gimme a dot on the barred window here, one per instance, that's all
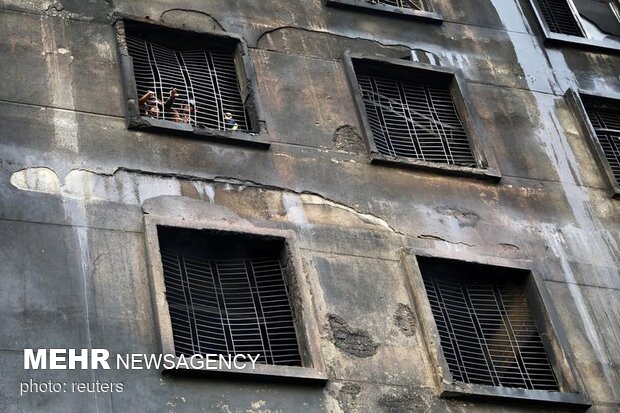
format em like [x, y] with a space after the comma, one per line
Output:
[405, 4]
[604, 116]
[414, 9]
[185, 79]
[593, 24]
[228, 294]
[414, 116]
[560, 17]
[487, 332]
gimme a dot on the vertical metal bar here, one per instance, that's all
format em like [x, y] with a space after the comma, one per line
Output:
[222, 301]
[187, 296]
[187, 82]
[484, 347]
[454, 341]
[412, 130]
[216, 90]
[258, 311]
[381, 117]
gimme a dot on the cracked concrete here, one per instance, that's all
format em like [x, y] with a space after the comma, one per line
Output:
[72, 235]
[348, 139]
[405, 320]
[189, 19]
[402, 403]
[437, 238]
[325, 45]
[135, 187]
[355, 342]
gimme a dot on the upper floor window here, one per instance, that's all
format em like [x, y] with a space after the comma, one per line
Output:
[416, 115]
[415, 9]
[561, 17]
[586, 23]
[600, 120]
[187, 81]
[198, 87]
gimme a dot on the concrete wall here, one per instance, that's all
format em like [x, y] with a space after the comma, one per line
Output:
[75, 185]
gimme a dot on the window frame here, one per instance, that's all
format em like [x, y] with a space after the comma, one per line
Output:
[312, 371]
[573, 97]
[539, 299]
[257, 135]
[431, 16]
[559, 38]
[486, 169]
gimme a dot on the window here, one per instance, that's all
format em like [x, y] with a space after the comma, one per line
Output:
[189, 82]
[230, 293]
[415, 9]
[485, 326]
[561, 17]
[491, 331]
[600, 121]
[415, 115]
[590, 24]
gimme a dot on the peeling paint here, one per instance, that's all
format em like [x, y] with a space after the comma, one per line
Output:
[37, 180]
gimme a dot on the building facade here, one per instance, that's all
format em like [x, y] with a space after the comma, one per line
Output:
[417, 200]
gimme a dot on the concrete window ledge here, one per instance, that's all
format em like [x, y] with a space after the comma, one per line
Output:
[480, 392]
[490, 175]
[262, 372]
[580, 42]
[429, 16]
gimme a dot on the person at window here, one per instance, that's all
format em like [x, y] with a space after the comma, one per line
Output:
[151, 106]
[185, 116]
[230, 122]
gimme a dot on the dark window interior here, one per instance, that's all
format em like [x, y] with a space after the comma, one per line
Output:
[201, 69]
[559, 17]
[604, 115]
[228, 294]
[412, 114]
[487, 332]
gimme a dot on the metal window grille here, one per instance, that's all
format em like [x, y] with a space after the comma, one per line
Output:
[230, 306]
[415, 120]
[204, 79]
[487, 333]
[559, 17]
[606, 123]
[405, 4]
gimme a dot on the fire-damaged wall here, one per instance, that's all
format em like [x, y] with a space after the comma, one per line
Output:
[76, 185]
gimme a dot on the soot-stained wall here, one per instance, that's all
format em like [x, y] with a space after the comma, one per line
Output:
[75, 185]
